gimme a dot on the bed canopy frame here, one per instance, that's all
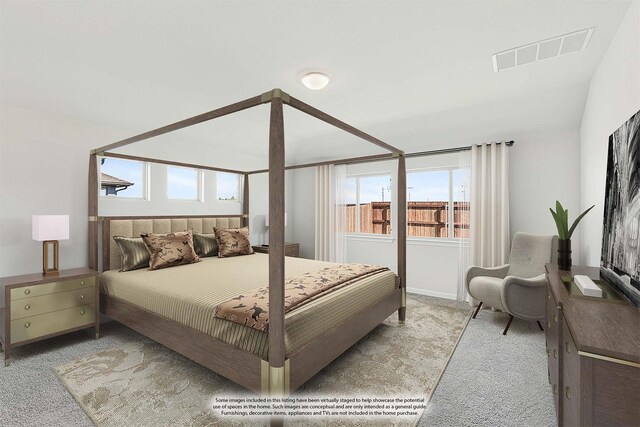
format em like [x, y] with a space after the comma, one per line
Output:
[277, 377]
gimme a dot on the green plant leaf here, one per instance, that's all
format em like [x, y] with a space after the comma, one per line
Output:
[557, 220]
[563, 216]
[575, 223]
[565, 224]
[559, 207]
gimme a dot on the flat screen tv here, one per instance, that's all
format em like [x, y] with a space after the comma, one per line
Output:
[620, 259]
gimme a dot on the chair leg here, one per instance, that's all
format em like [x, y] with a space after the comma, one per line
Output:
[508, 324]
[539, 325]
[475, 313]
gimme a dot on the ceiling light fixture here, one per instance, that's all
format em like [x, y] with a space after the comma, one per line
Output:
[315, 80]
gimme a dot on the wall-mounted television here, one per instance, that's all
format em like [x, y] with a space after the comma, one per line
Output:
[620, 258]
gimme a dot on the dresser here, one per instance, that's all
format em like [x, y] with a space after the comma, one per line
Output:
[34, 307]
[593, 353]
[290, 249]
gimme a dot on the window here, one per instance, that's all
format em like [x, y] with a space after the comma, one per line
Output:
[461, 196]
[430, 196]
[228, 186]
[182, 183]
[122, 178]
[368, 201]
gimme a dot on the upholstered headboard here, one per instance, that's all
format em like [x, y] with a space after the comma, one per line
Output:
[134, 226]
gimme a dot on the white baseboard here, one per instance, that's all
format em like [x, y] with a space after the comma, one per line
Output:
[420, 291]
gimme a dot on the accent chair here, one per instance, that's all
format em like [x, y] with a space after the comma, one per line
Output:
[516, 288]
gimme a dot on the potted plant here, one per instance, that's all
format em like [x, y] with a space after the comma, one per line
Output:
[561, 217]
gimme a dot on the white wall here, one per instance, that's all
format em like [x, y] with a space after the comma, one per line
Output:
[303, 208]
[544, 167]
[259, 207]
[614, 96]
[44, 164]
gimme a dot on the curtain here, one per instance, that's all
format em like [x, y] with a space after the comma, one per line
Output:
[462, 196]
[330, 189]
[489, 232]
[340, 210]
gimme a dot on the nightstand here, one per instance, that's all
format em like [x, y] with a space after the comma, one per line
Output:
[290, 249]
[34, 307]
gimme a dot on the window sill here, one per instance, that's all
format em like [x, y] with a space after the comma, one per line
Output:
[139, 199]
[370, 238]
[442, 242]
[411, 241]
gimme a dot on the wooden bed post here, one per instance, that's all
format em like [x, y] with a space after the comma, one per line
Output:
[245, 201]
[278, 377]
[402, 235]
[93, 212]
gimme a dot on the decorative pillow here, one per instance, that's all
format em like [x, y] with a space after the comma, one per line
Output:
[205, 245]
[168, 250]
[233, 242]
[133, 253]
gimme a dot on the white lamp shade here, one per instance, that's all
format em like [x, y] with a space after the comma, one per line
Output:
[50, 227]
[266, 220]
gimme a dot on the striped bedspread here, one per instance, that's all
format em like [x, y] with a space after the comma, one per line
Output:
[189, 294]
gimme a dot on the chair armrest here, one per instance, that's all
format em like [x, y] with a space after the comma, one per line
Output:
[530, 282]
[500, 272]
[524, 298]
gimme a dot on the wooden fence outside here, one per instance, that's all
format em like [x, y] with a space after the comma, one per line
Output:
[424, 219]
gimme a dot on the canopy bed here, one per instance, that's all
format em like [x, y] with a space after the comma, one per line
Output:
[269, 361]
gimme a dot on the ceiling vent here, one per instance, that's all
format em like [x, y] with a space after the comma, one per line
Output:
[544, 49]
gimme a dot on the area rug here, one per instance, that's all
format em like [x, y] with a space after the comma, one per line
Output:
[146, 384]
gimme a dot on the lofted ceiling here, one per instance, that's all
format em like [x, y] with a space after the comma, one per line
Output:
[417, 74]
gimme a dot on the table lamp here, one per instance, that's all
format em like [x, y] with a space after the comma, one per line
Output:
[48, 229]
[266, 225]
[266, 220]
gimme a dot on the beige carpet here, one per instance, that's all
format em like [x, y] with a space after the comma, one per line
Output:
[145, 384]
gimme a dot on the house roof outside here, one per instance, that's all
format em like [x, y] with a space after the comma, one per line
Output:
[111, 181]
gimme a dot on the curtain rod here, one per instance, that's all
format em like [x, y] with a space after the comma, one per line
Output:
[409, 155]
[450, 150]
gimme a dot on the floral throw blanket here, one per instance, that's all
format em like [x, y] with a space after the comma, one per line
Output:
[252, 308]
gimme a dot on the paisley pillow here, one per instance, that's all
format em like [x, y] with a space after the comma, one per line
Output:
[168, 250]
[233, 242]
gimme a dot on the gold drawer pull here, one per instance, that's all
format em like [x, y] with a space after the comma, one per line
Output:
[27, 307]
[82, 312]
[81, 296]
[555, 353]
[555, 389]
[82, 283]
[27, 325]
[567, 392]
[27, 291]
[567, 347]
